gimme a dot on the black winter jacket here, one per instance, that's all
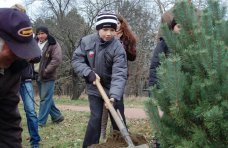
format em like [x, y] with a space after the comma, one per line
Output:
[28, 72]
[10, 118]
[155, 61]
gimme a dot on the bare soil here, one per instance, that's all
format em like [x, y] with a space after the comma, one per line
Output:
[117, 141]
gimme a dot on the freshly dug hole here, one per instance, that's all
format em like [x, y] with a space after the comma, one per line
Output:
[117, 141]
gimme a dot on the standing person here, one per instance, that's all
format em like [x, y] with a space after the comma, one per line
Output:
[102, 54]
[50, 61]
[128, 40]
[167, 18]
[27, 95]
[127, 37]
[16, 44]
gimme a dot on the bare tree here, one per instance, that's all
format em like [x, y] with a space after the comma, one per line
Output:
[67, 26]
[69, 20]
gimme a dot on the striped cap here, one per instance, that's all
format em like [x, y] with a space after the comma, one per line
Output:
[106, 19]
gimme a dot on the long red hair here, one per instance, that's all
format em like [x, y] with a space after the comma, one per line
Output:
[128, 38]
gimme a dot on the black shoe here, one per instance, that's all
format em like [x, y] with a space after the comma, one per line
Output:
[35, 146]
[41, 125]
[155, 143]
[58, 120]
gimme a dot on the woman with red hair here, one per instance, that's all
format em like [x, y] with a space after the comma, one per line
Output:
[127, 37]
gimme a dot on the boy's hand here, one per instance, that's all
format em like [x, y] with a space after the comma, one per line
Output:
[91, 77]
[97, 78]
[112, 101]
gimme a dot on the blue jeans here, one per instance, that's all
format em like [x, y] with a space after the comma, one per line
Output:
[47, 104]
[27, 95]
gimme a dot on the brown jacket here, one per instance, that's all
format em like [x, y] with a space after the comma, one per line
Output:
[50, 60]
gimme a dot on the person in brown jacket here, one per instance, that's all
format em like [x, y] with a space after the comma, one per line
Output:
[50, 61]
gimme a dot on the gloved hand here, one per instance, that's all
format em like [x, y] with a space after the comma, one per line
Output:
[35, 60]
[18, 65]
[98, 78]
[91, 77]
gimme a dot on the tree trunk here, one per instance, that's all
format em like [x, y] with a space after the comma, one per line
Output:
[78, 86]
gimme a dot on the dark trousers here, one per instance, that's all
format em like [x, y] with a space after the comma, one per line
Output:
[119, 105]
[10, 119]
[93, 130]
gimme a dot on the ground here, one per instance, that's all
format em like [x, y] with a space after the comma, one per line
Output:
[131, 113]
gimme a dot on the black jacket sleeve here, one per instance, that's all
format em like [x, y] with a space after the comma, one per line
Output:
[155, 61]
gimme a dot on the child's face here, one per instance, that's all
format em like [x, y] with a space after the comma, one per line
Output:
[118, 25]
[106, 33]
[177, 28]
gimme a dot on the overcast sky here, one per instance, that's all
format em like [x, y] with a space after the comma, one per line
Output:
[31, 9]
[9, 3]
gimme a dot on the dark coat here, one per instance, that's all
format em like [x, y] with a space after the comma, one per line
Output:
[10, 118]
[50, 60]
[28, 72]
[155, 61]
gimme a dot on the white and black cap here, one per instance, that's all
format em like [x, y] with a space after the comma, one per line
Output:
[106, 19]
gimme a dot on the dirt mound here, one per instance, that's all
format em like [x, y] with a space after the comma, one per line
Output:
[117, 141]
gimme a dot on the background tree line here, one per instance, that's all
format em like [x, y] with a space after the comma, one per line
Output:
[70, 20]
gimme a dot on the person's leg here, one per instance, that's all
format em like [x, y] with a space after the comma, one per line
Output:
[46, 94]
[27, 95]
[119, 105]
[55, 113]
[94, 125]
[39, 87]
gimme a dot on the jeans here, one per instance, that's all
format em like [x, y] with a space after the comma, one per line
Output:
[27, 95]
[47, 104]
[93, 130]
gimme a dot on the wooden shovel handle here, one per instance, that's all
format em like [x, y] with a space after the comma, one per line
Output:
[114, 114]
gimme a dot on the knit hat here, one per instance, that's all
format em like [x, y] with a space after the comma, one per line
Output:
[42, 29]
[106, 19]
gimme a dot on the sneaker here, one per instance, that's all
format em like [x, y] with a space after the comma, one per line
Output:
[41, 125]
[155, 143]
[58, 120]
[35, 146]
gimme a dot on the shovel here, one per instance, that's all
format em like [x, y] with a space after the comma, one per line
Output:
[119, 123]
